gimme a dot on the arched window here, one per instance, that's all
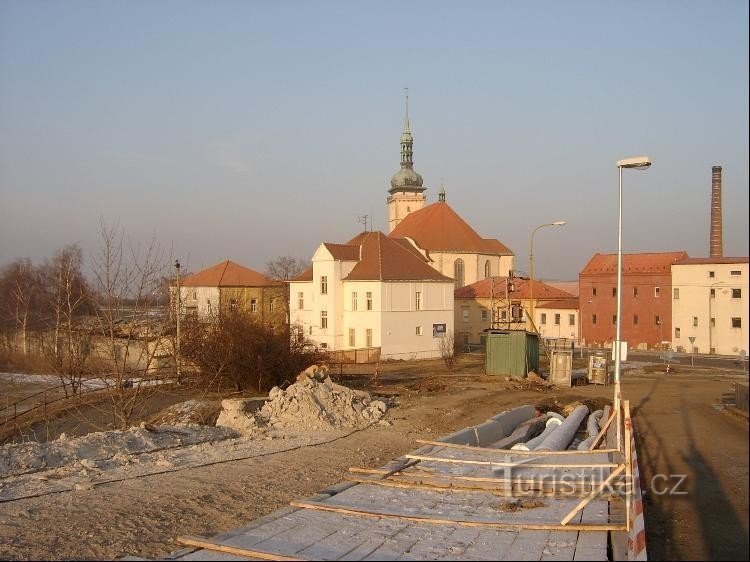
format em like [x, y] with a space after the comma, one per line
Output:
[458, 272]
[486, 269]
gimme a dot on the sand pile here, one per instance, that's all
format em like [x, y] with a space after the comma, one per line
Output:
[316, 403]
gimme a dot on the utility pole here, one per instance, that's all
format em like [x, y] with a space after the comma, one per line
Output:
[177, 317]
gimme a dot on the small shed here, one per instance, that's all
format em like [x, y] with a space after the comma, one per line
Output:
[512, 353]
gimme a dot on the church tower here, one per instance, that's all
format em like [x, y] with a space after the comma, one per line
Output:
[406, 192]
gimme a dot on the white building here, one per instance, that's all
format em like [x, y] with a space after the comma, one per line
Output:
[710, 305]
[373, 291]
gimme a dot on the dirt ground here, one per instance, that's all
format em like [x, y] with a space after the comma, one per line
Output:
[679, 430]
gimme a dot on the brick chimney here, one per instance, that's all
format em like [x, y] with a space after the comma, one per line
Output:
[717, 248]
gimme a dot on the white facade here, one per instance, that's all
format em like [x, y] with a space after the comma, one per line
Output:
[203, 301]
[401, 204]
[476, 266]
[557, 322]
[710, 304]
[397, 316]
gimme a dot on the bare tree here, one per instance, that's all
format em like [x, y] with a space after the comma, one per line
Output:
[448, 351]
[284, 268]
[132, 329]
[20, 292]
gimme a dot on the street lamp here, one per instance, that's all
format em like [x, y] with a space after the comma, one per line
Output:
[638, 163]
[531, 268]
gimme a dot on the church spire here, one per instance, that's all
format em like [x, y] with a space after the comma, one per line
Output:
[407, 141]
[406, 179]
[441, 193]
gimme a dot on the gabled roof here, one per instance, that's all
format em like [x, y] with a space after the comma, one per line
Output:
[565, 304]
[661, 262]
[708, 261]
[227, 274]
[438, 227]
[386, 259]
[484, 289]
[567, 286]
[343, 252]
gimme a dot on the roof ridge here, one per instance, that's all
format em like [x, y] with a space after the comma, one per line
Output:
[223, 271]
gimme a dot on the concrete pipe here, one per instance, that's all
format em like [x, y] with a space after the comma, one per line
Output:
[563, 435]
[522, 433]
[551, 424]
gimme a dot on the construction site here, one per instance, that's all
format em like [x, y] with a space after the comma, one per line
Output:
[420, 462]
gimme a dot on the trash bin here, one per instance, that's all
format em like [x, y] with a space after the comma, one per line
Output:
[599, 369]
[561, 367]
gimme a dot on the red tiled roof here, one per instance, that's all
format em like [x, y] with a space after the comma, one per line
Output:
[568, 304]
[227, 274]
[306, 275]
[438, 227]
[344, 252]
[386, 259]
[697, 261]
[633, 263]
[483, 290]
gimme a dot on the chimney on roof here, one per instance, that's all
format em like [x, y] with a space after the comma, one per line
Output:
[717, 249]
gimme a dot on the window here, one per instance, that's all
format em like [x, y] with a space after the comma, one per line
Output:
[369, 300]
[557, 319]
[271, 305]
[208, 304]
[352, 338]
[635, 292]
[735, 272]
[593, 318]
[593, 291]
[657, 320]
[614, 291]
[571, 319]
[695, 321]
[736, 322]
[253, 305]
[368, 337]
[736, 293]
[504, 314]
[657, 292]
[483, 312]
[458, 272]
[713, 322]
[419, 330]
[323, 284]
[635, 320]
[486, 269]
[418, 300]
[324, 345]
[354, 300]
[465, 313]
[614, 319]
[543, 318]
[712, 274]
[309, 330]
[713, 293]
[676, 333]
[324, 319]
[233, 304]
[676, 292]
[300, 300]
[466, 338]
[195, 295]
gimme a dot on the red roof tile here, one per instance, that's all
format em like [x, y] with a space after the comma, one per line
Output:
[227, 274]
[306, 275]
[343, 252]
[483, 290]
[438, 227]
[698, 261]
[568, 304]
[661, 262]
[567, 286]
[386, 259]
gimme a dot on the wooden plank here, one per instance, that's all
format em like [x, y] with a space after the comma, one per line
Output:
[628, 459]
[447, 521]
[593, 494]
[510, 451]
[602, 433]
[207, 544]
[515, 464]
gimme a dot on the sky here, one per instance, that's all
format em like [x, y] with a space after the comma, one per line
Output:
[248, 130]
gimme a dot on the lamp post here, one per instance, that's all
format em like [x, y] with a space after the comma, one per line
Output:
[531, 267]
[639, 163]
[177, 317]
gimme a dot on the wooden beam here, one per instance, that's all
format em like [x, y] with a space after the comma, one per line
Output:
[510, 451]
[207, 544]
[595, 492]
[515, 464]
[603, 432]
[628, 459]
[319, 506]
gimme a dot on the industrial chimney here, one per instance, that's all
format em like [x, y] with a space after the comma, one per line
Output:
[717, 249]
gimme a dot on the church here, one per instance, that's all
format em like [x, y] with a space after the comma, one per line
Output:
[452, 245]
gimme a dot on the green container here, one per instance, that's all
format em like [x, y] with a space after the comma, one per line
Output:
[512, 353]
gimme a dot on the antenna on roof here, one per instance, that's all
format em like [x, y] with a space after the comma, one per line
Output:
[363, 220]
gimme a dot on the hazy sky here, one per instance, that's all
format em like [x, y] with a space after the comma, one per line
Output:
[247, 130]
